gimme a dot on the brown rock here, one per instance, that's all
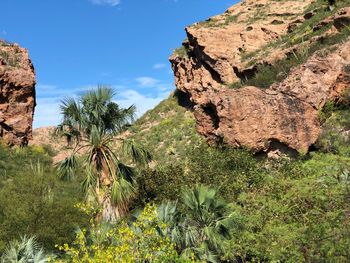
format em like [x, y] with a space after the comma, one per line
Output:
[17, 94]
[283, 117]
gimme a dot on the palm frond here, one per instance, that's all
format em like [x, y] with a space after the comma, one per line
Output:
[126, 172]
[137, 152]
[24, 251]
[168, 213]
[90, 179]
[122, 192]
[66, 168]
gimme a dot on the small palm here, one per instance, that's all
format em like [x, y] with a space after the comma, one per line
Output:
[25, 251]
[204, 225]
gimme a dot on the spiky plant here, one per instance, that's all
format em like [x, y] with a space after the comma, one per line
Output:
[206, 224]
[27, 250]
[202, 226]
[92, 122]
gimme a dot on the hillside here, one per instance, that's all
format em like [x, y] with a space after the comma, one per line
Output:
[168, 131]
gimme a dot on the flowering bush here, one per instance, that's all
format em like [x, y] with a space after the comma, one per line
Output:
[138, 242]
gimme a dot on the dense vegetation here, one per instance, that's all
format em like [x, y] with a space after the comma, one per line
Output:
[267, 210]
[34, 201]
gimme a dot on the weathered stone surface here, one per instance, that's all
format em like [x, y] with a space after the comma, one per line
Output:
[17, 94]
[283, 116]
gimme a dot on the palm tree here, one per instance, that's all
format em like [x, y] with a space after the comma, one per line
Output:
[25, 251]
[92, 122]
[203, 225]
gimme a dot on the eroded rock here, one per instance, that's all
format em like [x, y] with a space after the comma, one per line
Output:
[17, 94]
[284, 116]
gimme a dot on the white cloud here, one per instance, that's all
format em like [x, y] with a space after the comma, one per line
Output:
[159, 66]
[106, 2]
[47, 112]
[142, 102]
[147, 81]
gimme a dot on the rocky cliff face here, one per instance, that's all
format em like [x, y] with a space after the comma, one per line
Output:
[259, 74]
[17, 94]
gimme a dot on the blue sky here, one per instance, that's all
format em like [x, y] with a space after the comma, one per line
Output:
[77, 44]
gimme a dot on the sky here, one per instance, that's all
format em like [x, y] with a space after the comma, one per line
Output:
[76, 45]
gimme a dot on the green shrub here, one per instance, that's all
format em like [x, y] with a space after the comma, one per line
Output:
[33, 201]
[181, 52]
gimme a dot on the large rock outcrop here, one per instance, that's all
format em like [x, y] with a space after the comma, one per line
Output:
[229, 48]
[17, 94]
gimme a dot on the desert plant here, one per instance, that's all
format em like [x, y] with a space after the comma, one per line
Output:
[206, 224]
[27, 250]
[199, 225]
[92, 121]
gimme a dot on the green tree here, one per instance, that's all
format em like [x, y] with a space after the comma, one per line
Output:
[92, 122]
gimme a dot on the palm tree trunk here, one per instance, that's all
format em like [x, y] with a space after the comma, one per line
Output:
[110, 213]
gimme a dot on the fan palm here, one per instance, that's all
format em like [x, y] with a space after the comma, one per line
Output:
[202, 226]
[92, 122]
[25, 251]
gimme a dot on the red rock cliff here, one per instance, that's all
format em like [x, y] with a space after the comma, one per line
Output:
[17, 94]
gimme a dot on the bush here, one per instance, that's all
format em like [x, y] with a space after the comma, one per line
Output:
[139, 242]
[229, 170]
[33, 201]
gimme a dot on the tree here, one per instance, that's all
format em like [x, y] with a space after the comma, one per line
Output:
[92, 122]
[25, 251]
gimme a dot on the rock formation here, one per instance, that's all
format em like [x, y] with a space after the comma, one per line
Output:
[231, 48]
[17, 94]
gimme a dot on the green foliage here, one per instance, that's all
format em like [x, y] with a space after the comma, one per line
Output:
[291, 211]
[335, 135]
[181, 52]
[33, 201]
[221, 168]
[12, 58]
[206, 225]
